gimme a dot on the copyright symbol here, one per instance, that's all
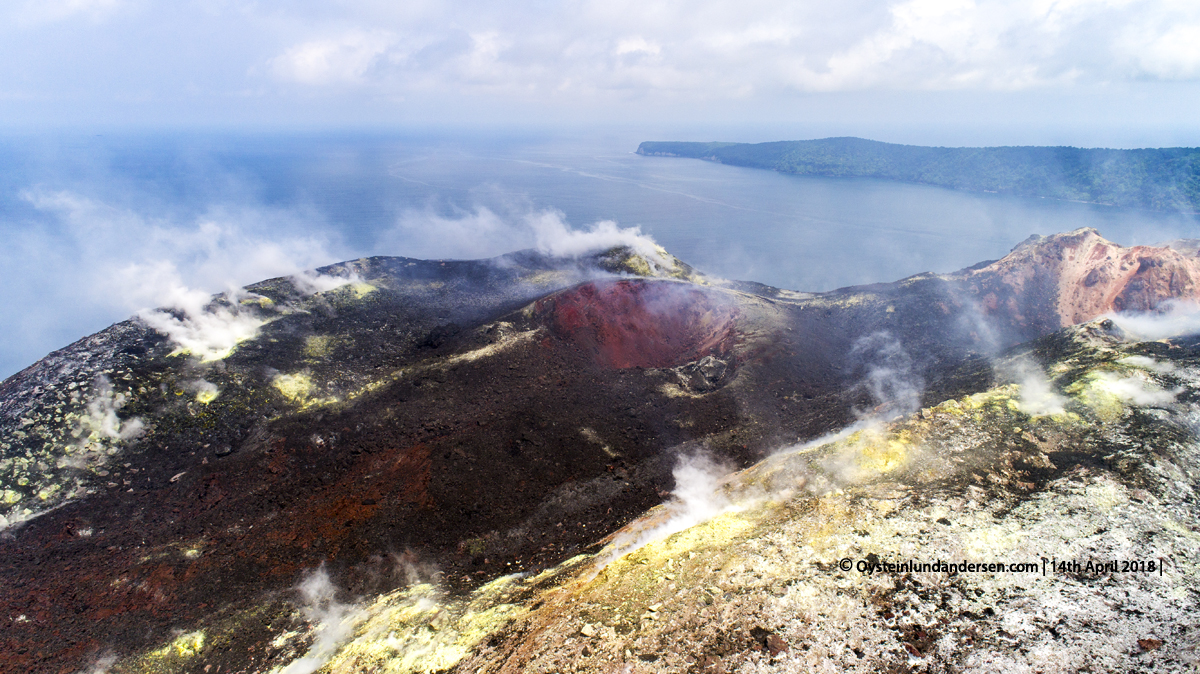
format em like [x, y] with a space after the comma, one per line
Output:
[846, 564]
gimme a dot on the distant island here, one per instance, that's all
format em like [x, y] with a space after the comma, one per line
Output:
[1166, 179]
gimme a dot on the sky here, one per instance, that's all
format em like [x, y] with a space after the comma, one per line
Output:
[1102, 64]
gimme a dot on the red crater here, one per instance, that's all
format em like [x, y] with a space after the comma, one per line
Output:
[636, 323]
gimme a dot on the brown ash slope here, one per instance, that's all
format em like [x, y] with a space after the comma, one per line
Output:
[482, 417]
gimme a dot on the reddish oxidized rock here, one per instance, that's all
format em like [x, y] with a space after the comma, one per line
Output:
[638, 323]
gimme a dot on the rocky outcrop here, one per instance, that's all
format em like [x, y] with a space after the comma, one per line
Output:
[1047, 283]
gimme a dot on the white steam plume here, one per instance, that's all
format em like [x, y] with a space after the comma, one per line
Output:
[205, 391]
[97, 432]
[1134, 389]
[483, 233]
[1038, 396]
[1173, 318]
[100, 425]
[697, 498]
[890, 377]
[975, 325]
[310, 282]
[211, 328]
[335, 622]
[205, 328]
[465, 235]
[699, 493]
[555, 237]
[102, 664]
[103, 262]
[1147, 363]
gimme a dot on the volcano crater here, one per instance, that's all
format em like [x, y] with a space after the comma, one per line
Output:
[638, 323]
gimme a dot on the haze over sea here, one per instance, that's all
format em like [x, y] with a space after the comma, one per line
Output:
[99, 226]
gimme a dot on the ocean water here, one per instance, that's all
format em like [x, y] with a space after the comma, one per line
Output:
[97, 226]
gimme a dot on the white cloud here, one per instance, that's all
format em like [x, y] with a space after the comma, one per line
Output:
[345, 59]
[709, 50]
[49, 11]
[1170, 54]
[636, 45]
[435, 55]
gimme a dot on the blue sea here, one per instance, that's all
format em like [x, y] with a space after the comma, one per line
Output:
[97, 226]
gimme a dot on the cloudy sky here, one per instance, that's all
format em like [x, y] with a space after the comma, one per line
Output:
[370, 62]
[98, 226]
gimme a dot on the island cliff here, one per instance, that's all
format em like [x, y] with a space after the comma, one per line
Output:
[1156, 178]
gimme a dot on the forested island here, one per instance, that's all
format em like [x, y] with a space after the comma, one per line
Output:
[1156, 179]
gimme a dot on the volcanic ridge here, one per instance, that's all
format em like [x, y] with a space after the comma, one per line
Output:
[616, 464]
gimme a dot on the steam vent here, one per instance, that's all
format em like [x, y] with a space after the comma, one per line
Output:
[615, 463]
